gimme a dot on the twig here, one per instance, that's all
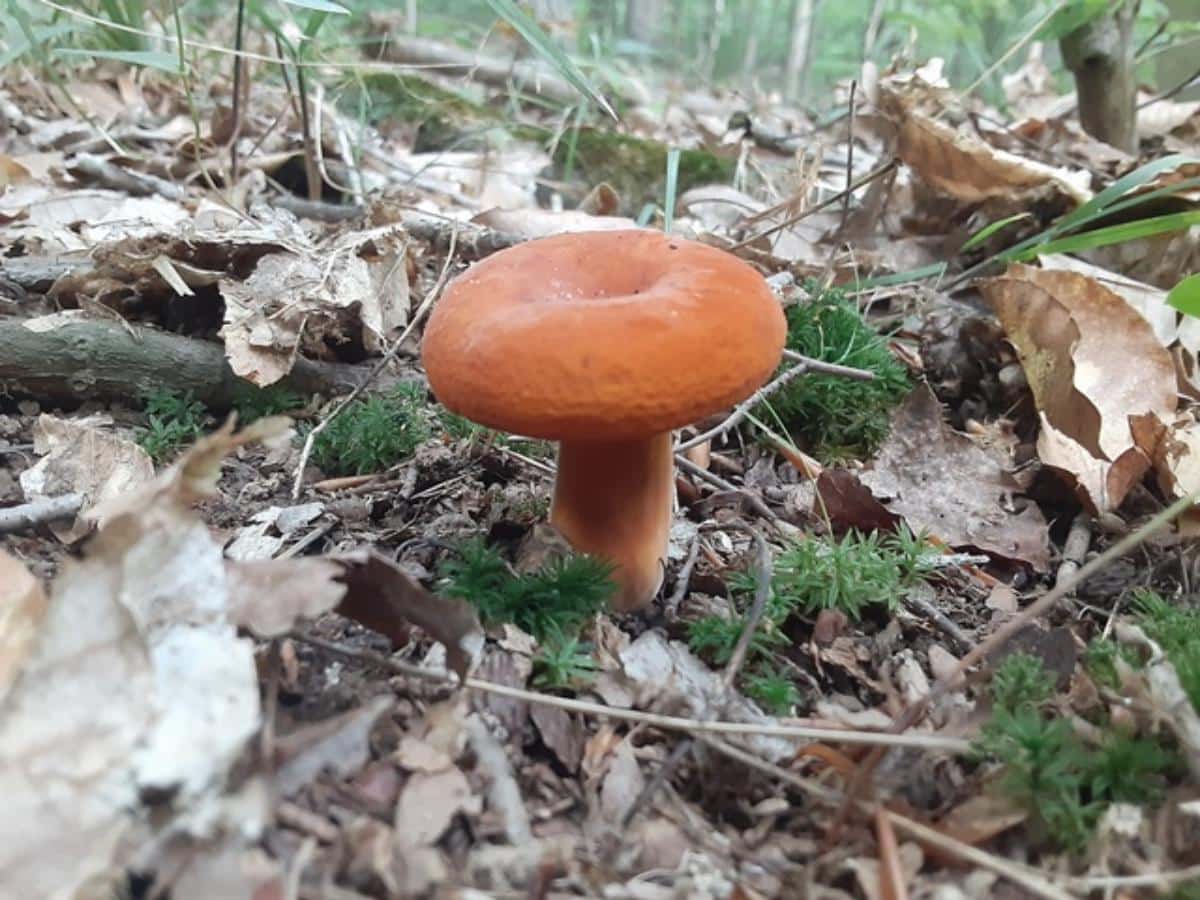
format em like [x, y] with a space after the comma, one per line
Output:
[504, 795]
[877, 172]
[753, 499]
[804, 366]
[47, 509]
[298, 482]
[669, 723]
[1028, 878]
[1151, 879]
[994, 642]
[1075, 547]
[762, 592]
[236, 113]
[671, 607]
[820, 367]
[849, 162]
[939, 618]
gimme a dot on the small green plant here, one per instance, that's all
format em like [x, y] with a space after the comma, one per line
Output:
[253, 403]
[1065, 784]
[563, 662]
[172, 420]
[1019, 683]
[374, 433]
[714, 637]
[835, 416]
[1177, 631]
[553, 601]
[813, 574]
[850, 574]
[772, 689]
[1101, 657]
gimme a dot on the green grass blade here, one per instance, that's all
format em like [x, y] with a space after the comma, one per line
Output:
[1185, 296]
[988, 230]
[1099, 205]
[325, 6]
[1115, 234]
[672, 187]
[151, 59]
[934, 270]
[541, 42]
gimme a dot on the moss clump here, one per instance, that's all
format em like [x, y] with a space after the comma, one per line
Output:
[551, 603]
[635, 167]
[810, 575]
[838, 417]
[172, 421]
[444, 118]
[374, 433]
[1064, 783]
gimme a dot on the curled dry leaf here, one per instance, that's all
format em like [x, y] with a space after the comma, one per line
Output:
[79, 457]
[942, 482]
[622, 785]
[965, 166]
[381, 596]
[153, 694]
[22, 608]
[268, 596]
[531, 223]
[358, 287]
[1101, 419]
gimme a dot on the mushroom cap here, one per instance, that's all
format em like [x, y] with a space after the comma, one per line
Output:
[606, 335]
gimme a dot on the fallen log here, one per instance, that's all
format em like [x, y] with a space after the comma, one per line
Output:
[100, 360]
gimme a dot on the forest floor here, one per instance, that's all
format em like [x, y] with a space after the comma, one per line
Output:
[928, 627]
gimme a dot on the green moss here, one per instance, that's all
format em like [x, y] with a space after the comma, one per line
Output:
[1065, 784]
[552, 603]
[172, 421]
[444, 118]
[635, 167]
[838, 417]
[374, 433]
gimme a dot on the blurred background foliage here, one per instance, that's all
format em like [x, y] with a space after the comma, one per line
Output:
[738, 44]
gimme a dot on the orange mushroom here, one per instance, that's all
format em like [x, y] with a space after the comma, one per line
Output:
[605, 341]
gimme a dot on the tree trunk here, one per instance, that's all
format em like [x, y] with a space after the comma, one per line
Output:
[1100, 56]
[714, 39]
[750, 54]
[643, 20]
[798, 58]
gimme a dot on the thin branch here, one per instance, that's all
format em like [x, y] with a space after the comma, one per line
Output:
[805, 366]
[37, 512]
[669, 723]
[999, 638]
[752, 498]
[1024, 876]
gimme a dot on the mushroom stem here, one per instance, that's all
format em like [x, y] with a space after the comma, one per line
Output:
[613, 499]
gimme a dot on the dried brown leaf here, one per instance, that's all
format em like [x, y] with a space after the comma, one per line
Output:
[80, 457]
[964, 166]
[384, 598]
[1078, 341]
[269, 596]
[339, 745]
[428, 803]
[22, 608]
[943, 482]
